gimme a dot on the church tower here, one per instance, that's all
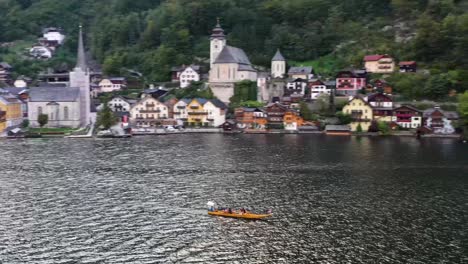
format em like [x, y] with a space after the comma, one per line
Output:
[218, 41]
[278, 65]
[80, 78]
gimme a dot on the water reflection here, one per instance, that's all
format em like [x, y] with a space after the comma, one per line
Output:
[335, 199]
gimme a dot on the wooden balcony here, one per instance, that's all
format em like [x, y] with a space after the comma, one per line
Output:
[150, 111]
[198, 113]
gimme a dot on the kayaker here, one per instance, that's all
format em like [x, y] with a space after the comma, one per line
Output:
[230, 211]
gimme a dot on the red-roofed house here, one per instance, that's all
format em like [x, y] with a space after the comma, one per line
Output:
[379, 64]
[408, 66]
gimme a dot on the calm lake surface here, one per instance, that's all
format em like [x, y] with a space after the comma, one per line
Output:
[142, 200]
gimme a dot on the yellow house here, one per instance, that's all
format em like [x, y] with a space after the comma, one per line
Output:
[197, 115]
[11, 114]
[361, 113]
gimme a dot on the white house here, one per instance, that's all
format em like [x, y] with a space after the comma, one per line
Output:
[54, 35]
[440, 121]
[216, 112]
[188, 76]
[149, 112]
[41, 52]
[108, 85]
[296, 86]
[379, 100]
[180, 109]
[317, 88]
[301, 72]
[407, 116]
[120, 104]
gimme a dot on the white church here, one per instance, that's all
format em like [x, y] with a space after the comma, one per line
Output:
[228, 65]
[65, 106]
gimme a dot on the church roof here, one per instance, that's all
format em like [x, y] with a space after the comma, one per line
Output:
[54, 94]
[218, 31]
[278, 56]
[234, 55]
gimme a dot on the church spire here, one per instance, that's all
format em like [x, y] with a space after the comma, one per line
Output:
[278, 56]
[218, 31]
[81, 57]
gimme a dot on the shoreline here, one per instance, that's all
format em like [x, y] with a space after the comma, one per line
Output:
[252, 132]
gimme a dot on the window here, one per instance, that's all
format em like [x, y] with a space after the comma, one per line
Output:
[39, 110]
[65, 113]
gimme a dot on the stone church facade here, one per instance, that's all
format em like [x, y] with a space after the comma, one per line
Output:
[65, 106]
[228, 65]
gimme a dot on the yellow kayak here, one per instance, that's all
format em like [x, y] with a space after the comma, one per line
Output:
[237, 214]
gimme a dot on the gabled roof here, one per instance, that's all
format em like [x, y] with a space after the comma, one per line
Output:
[117, 78]
[218, 103]
[182, 68]
[14, 90]
[374, 96]
[7, 98]
[407, 63]
[352, 74]
[201, 101]
[54, 94]
[5, 65]
[448, 114]
[409, 107]
[185, 100]
[359, 97]
[301, 70]
[375, 57]
[234, 55]
[252, 109]
[278, 56]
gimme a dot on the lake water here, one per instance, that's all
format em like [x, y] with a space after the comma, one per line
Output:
[142, 200]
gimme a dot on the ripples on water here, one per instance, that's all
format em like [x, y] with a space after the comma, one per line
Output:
[142, 200]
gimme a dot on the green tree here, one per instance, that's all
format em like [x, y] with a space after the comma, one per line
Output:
[306, 113]
[463, 110]
[384, 128]
[252, 104]
[106, 118]
[344, 118]
[244, 91]
[359, 128]
[437, 87]
[25, 123]
[42, 119]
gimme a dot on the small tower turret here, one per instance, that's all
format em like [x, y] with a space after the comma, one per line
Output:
[278, 65]
[218, 41]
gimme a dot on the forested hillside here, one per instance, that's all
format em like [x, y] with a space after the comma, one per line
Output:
[152, 35]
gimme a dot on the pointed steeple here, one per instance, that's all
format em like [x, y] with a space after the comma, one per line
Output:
[81, 57]
[278, 56]
[218, 31]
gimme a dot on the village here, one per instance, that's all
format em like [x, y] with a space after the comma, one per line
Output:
[285, 99]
